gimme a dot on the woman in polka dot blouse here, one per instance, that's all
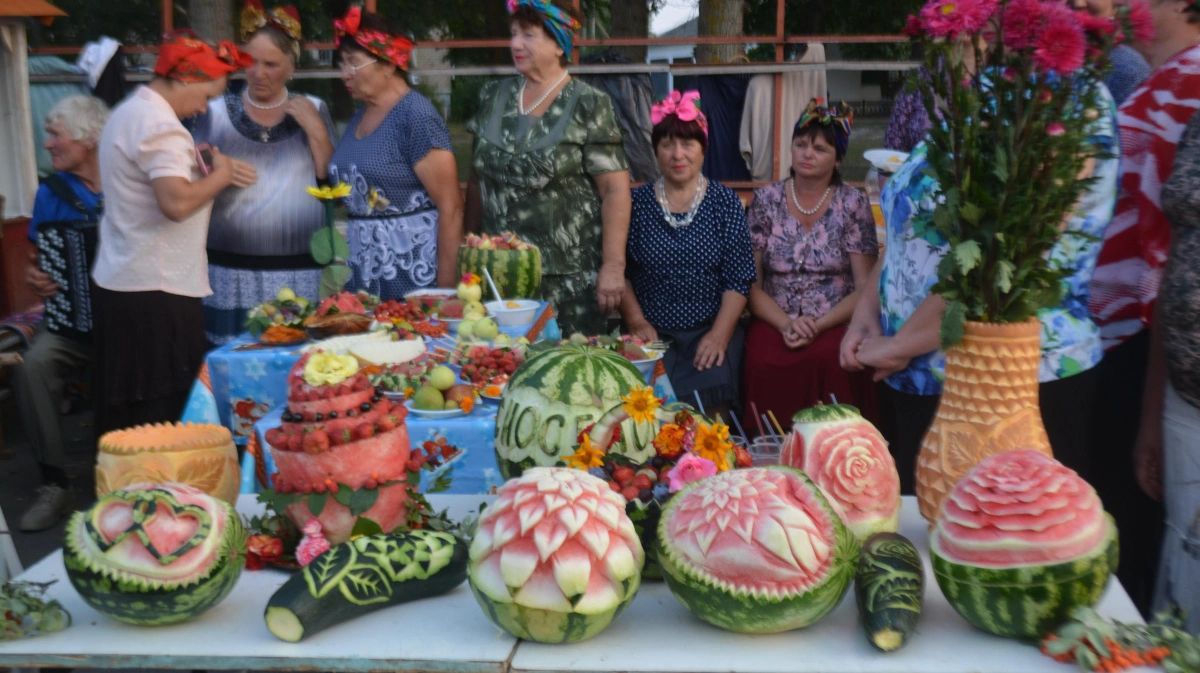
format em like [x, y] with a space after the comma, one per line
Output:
[814, 246]
[690, 265]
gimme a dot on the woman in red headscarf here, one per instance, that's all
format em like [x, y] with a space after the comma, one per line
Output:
[151, 270]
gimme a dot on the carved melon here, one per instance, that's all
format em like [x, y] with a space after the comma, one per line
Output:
[198, 454]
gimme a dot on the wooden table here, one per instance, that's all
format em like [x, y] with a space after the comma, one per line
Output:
[450, 633]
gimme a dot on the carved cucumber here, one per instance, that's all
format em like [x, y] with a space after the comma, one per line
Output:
[888, 588]
[363, 575]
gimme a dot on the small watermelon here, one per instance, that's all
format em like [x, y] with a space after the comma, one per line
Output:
[848, 458]
[517, 273]
[758, 550]
[155, 554]
[555, 558]
[1020, 543]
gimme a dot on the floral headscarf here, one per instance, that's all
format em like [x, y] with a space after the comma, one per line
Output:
[186, 58]
[285, 19]
[561, 25]
[395, 49]
[685, 106]
[840, 116]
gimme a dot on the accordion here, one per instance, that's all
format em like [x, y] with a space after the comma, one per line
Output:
[66, 251]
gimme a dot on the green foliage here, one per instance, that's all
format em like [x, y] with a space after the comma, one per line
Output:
[328, 245]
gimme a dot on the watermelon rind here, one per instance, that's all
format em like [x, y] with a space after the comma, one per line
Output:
[516, 273]
[742, 611]
[824, 413]
[552, 626]
[143, 602]
[1029, 601]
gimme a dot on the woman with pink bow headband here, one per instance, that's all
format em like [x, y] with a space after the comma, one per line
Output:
[690, 265]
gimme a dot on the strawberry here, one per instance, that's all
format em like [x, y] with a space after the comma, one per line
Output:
[315, 395]
[364, 431]
[386, 423]
[370, 484]
[664, 477]
[420, 459]
[623, 475]
[320, 488]
[316, 442]
[614, 486]
[649, 472]
[277, 438]
[630, 493]
[641, 481]
[295, 443]
[383, 406]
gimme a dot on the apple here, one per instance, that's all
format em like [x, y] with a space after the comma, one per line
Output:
[469, 293]
[285, 294]
[486, 329]
[429, 398]
[442, 377]
[459, 392]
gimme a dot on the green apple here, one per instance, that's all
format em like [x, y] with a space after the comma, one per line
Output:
[466, 329]
[522, 341]
[469, 293]
[474, 310]
[442, 377]
[487, 329]
[451, 405]
[502, 339]
[429, 398]
[285, 294]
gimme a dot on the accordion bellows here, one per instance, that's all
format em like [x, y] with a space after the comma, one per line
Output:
[198, 454]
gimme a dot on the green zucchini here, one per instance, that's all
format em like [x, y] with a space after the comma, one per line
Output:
[888, 588]
[364, 575]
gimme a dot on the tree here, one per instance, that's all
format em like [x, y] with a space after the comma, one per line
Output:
[630, 18]
[720, 18]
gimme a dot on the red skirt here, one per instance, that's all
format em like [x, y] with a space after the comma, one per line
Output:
[786, 381]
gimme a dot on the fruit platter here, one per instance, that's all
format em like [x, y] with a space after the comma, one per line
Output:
[341, 314]
[440, 395]
[285, 310]
[483, 366]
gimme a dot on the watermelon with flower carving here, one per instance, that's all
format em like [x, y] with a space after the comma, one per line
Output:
[758, 550]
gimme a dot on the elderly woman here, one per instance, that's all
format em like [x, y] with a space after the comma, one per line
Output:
[70, 194]
[814, 245]
[258, 237]
[549, 166]
[690, 263]
[151, 270]
[405, 205]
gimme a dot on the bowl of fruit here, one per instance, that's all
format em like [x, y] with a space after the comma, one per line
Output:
[285, 310]
[442, 396]
[511, 312]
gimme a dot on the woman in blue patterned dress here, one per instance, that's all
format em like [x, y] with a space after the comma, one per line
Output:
[689, 262]
[406, 216]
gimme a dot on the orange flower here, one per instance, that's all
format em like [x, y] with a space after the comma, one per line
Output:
[710, 446]
[669, 442]
[408, 393]
[586, 456]
[467, 404]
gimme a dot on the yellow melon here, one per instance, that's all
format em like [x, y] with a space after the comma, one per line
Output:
[198, 454]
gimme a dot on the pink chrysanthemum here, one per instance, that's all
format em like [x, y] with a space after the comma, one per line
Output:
[1141, 21]
[1100, 26]
[913, 27]
[1060, 44]
[1055, 129]
[1020, 23]
[952, 18]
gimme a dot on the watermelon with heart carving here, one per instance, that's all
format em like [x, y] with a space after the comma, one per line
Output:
[155, 554]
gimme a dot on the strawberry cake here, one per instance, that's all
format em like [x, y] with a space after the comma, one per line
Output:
[340, 434]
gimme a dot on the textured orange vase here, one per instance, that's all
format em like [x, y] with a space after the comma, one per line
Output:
[198, 454]
[989, 405]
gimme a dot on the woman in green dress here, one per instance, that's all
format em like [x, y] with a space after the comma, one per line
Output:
[549, 166]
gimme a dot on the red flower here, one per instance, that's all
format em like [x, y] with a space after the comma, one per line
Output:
[1141, 21]
[912, 27]
[951, 18]
[1061, 45]
[1020, 23]
[261, 550]
[1055, 129]
[744, 459]
[1100, 26]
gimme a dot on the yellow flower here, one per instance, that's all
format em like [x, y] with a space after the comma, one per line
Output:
[640, 405]
[710, 446]
[329, 369]
[330, 193]
[586, 456]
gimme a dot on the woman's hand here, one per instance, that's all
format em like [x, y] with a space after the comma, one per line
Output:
[610, 287]
[860, 329]
[1148, 457]
[239, 173]
[643, 330]
[306, 115]
[880, 353]
[711, 351]
[39, 281]
[801, 331]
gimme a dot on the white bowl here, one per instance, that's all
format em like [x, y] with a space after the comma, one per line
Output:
[504, 315]
[646, 367]
[432, 414]
[885, 161]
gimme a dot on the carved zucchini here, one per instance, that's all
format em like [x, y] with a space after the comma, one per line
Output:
[363, 575]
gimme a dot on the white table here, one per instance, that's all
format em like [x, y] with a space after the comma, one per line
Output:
[450, 633]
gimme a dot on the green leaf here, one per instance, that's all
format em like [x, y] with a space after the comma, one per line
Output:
[365, 585]
[968, 254]
[258, 325]
[328, 244]
[327, 570]
[333, 279]
[971, 213]
[362, 500]
[1004, 274]
[365, 526]
[343, 494]
[1060, 646]
[441, 484]
[954, 322]
[316, 503]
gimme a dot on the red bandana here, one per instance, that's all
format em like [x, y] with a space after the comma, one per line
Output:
[395, 49]
[187, 58]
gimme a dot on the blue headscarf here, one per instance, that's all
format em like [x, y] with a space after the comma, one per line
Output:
[560, 24]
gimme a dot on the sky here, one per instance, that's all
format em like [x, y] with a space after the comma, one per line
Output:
[673, 13]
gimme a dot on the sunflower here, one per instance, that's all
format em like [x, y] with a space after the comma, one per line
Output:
[640, 405]
[709, 445]
[586, 456]
[329, 193]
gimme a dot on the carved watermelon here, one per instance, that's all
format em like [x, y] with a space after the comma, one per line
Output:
[758, 550]
[848, 458]
[154, 554]
[556, 395]
[1020, 543]
[555, 558]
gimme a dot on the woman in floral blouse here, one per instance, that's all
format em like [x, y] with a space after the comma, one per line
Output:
[814, 245]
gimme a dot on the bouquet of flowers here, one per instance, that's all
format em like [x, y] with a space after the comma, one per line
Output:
[1014, 94]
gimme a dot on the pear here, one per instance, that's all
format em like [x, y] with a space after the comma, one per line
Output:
[502, 340]
[466, 329]
[487, 329]
[442, 377]
[469, 293]
[429, 398]
[285, 294]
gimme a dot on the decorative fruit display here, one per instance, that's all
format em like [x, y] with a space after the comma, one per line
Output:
[553, 397]
[197, 454]
[342, 302]
[758, 550]
[888, 588]
[154, 554]
[483, 366]
[515, 266]
[286, 310]
[555, 559]
[1020, 543]
[627, 346]
[25, 612]
[451, 309]
[342, 451]
[386, 353]
[469, 288]
[364, 575]
[848, 458]
[400, 377]
[404, 310]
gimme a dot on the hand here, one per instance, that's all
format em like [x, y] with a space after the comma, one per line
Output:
[878, 352]
[643, 330]
[1148, 458]
[855, 334]
[711, 351]
[803, 327]
[39, 281]
[306, 114]
[610, 287]
[239, 173]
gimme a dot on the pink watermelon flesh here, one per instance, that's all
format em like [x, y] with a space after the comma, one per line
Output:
[1020, 508]
[167, 530]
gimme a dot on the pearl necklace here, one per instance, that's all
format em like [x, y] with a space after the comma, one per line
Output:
[521, 95]
[660, 191]
[801, 208]
[250, 101]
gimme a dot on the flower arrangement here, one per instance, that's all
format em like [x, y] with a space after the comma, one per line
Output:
[1015, 92]
[328, 246]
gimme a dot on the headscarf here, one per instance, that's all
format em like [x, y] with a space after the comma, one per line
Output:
[840, 116]
[187, 58]
[561, 25]
[685, 106]
[395, 49]
[284, 19]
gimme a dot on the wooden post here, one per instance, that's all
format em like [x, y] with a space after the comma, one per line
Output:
[776, 118]
[168, 16]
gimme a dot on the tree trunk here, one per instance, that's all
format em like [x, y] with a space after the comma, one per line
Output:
[631, 18]
[211, 19]
[720, 18]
